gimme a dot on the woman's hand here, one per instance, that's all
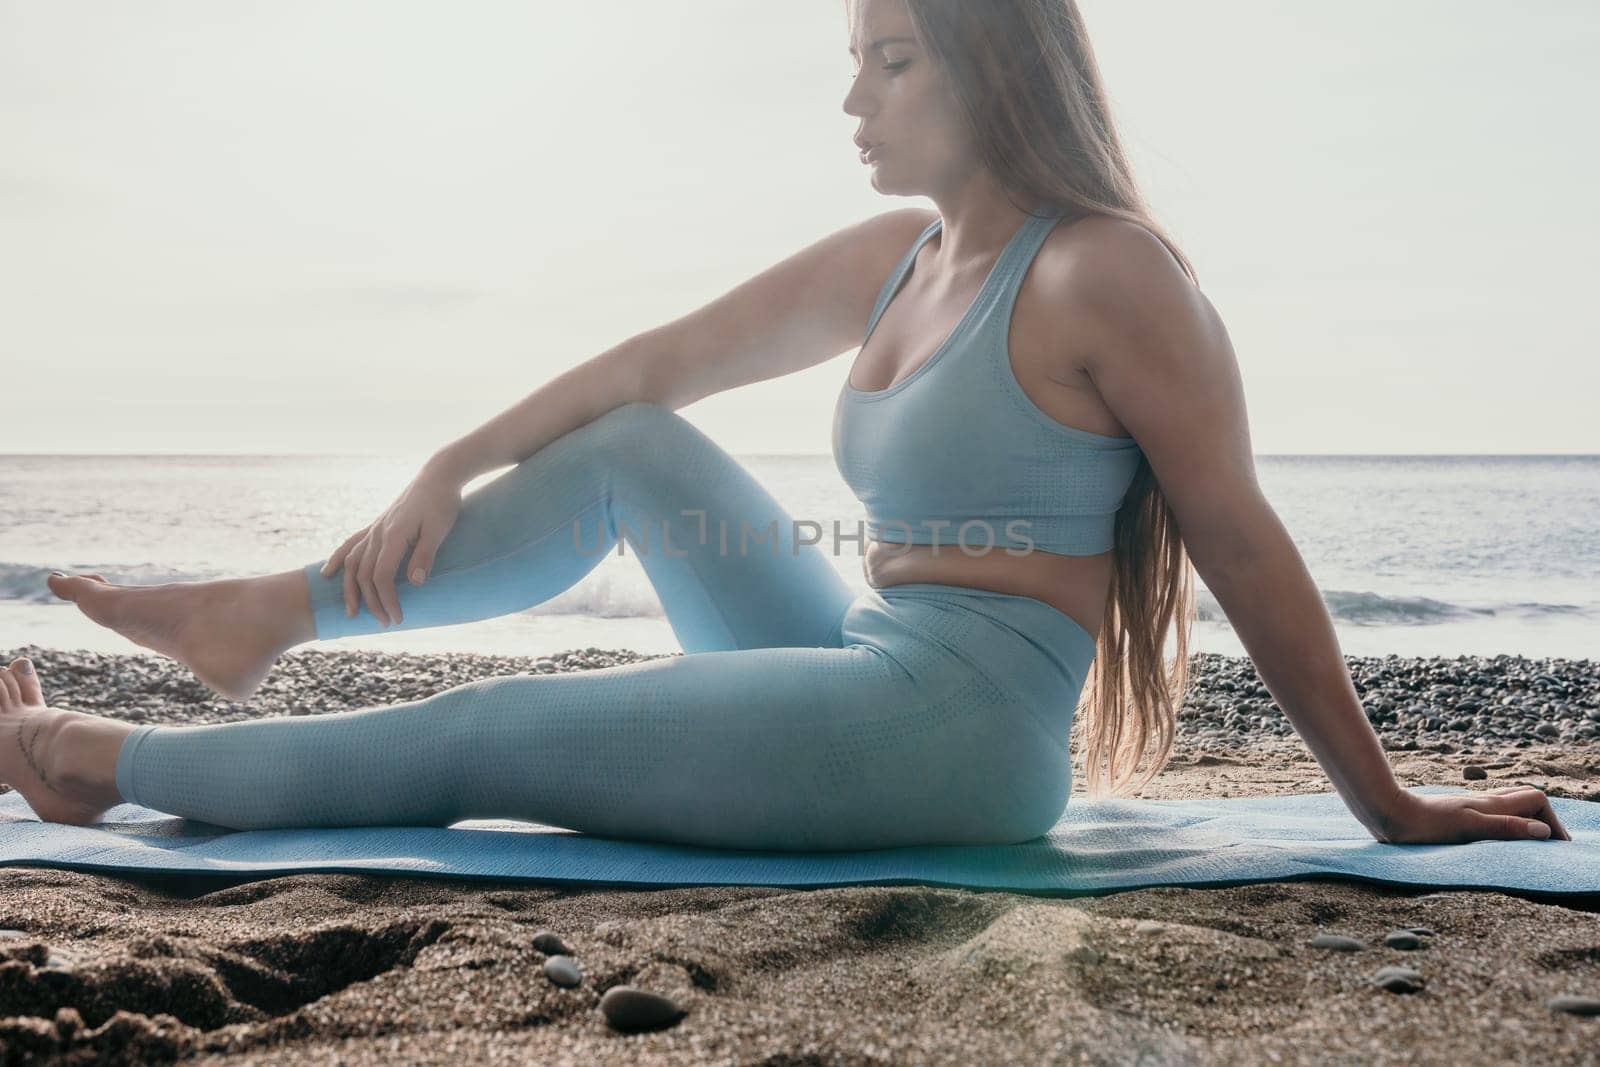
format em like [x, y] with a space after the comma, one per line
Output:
[1511, 814]
[421, 516]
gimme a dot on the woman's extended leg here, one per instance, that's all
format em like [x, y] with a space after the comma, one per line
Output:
[941, 717]
[722, 554]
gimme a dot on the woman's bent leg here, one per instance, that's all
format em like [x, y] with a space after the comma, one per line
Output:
[720, 551]
[876, 744]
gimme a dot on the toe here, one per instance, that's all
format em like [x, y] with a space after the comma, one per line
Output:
[27, 680]
[10, 692]
[63, 585]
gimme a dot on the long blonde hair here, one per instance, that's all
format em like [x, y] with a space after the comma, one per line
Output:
[1030, 92]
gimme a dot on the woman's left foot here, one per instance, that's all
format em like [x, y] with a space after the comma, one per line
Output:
[228, 632]
[48, 754]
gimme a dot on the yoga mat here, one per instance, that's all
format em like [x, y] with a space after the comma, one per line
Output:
[1098, 846]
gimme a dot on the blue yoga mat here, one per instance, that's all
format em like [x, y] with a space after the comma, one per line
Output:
[1098, 846]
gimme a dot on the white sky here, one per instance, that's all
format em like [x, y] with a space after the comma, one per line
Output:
[369, 226]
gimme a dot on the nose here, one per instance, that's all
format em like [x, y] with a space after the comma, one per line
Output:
[853, 99]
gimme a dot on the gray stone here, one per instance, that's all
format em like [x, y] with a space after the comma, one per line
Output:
[563, 971]
[550, 944]
[1574, 1005]
[1474, 773]
[1338, 943]
[1398, 979]
[1148, 926]
[1402, 939]
[629, 1008]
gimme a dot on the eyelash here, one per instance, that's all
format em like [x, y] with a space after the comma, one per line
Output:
[894, 66]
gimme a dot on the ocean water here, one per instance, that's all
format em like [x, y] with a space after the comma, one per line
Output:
[1413, 555]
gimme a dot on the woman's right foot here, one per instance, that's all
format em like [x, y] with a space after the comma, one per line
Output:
[64, 763]
[229, 632]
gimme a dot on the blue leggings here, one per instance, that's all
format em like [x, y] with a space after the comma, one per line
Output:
[800, 717]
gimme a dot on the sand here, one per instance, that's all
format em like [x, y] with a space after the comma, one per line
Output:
[376, 969]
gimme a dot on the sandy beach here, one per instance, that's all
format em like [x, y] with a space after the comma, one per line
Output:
[369, 969]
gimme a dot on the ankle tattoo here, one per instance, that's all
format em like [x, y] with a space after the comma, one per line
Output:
[27, 746]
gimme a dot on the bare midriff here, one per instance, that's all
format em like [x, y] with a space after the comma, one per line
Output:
[1076, 586]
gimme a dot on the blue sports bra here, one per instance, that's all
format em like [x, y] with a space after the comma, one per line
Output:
[957, 454]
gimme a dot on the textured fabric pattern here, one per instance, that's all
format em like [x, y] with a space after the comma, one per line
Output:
[958, 454]
[801, 716]
[1098, 846]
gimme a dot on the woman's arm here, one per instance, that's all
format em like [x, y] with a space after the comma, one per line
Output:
[801, 311]
[1159, 356]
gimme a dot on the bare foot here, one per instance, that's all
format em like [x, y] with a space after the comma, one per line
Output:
[62, 762]
[229, 633]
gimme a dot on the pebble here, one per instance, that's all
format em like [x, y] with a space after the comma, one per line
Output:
[1474, 773]
[628, 1008]
[1338, 943]
[563, 971]
[1148, 926]
[550, 943]
[8, 935]
[1421, 931]
[1398, 979]
[1402, 939]
[1574, 1005]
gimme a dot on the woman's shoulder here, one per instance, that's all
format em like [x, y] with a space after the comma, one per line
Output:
[1111, 266]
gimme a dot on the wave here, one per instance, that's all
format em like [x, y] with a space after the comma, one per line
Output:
[1366, 608]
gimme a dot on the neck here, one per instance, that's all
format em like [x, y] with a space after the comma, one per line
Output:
[977, 221]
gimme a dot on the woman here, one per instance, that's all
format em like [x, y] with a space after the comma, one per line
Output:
[1044, 421]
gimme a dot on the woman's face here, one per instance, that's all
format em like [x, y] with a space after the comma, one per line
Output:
[904, 105]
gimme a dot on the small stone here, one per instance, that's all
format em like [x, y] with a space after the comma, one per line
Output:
[9, 935]
[1148, 926]
[1402, 939]
[1338, 943]
[1574, 1005]
[68, 1021]
[550, 943]
[1474, 773]
[1398, 979]
[1421, 931]
[629, 1008]
[563, 971]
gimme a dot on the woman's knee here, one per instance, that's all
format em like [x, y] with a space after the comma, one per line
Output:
[640, 428]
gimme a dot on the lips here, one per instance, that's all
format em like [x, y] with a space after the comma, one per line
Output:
[869, 152]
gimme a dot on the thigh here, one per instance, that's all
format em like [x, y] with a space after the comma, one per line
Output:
[788, 748]
[732, 567]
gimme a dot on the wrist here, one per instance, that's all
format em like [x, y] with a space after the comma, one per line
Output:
[451, 463]
[1389, 811]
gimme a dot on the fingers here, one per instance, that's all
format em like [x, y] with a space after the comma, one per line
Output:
[1503, 827]
[383, 577]
[351, 594]
[369, 588]
[422, 556]
[1526, 801]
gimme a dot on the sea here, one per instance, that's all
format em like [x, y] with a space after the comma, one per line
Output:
[1473, 555]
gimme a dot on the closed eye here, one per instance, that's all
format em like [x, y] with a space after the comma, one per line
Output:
[893, 66]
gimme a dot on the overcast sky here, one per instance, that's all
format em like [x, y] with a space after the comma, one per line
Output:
[342, 226]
